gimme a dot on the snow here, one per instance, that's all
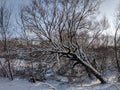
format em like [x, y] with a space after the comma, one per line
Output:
[2, 61]
[20, 84]
[59, 82]
[5, 84]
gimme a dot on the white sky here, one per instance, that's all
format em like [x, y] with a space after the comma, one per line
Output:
[109, 8]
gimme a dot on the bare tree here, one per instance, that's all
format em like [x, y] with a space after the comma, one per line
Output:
[5, 31]
[100, 27]
[117, 27]
[4, 24]
[59, 22]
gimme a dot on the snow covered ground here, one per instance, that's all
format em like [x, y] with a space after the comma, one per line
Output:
[19, 84]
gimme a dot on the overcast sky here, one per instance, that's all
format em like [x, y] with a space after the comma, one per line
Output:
[107, 8]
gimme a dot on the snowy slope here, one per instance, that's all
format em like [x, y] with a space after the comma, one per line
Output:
[19, 84]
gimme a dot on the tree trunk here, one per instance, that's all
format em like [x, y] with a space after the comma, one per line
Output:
[10, 70]
[115, 48]
[93, 70]
[87, 65]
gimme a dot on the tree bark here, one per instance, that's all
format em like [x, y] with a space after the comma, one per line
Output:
[10, 70]
[115, 49]
[92, 69]
[84, 62]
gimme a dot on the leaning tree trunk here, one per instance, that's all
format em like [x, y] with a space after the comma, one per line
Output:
[80, 60]
[90, 67]
[83, 60]
[95, 72]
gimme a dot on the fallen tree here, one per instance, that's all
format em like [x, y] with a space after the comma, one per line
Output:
[82, 59]
[59, 31]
